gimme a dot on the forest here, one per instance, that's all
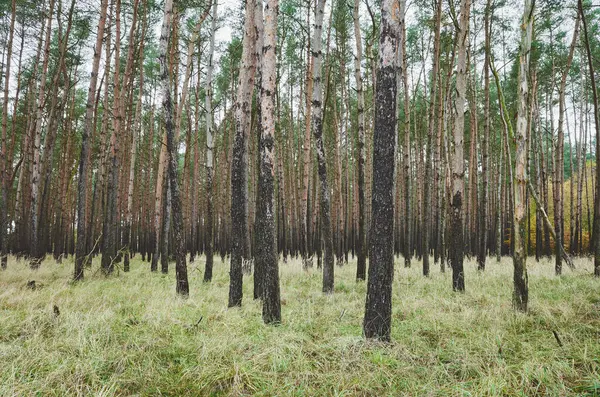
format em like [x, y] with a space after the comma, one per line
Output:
[298, 197]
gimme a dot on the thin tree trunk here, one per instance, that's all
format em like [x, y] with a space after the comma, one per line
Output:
[4, 166]
[456, 219]
[136, 125]
[317, 127]
[430, 132]
[182, 286]
[209, 150]
[35, 255]
[559, 156]
[483, 214]
[109, 234]
[596, 228]
[361, 267]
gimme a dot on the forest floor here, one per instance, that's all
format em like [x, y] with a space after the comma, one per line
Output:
[129, 334]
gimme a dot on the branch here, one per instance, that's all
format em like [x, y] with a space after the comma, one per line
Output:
[565, 256]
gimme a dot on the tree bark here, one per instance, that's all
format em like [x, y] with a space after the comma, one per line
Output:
[483, 214]
[35, 255]
[317, 127]
[596, 231]
[266, 243]
[182, 286]
[560, 158]
[4, 166]
[109, 227]
[378, 310]
[239, 198]
[209, 150]
[361, 267]
[456, 248]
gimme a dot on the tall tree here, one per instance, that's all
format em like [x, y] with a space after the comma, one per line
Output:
[430, 132]
[317, 127]
[3, 152]
[521, 292]
[35, 254]
[596, 230]
[239, 195]
[266, 243]
[182, 286]
[378, 311]
[109, 225]
[84, 157]
[456, 248]
[559, 150]
[483, 208]
[209, 148]
[361, 265]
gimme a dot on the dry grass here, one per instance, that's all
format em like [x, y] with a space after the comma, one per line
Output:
[130, 335]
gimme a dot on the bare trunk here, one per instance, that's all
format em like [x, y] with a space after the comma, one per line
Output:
[456, 219]
[596, 231]
[4, 166]
[182, 286]
[317, 127]
[35, 255]
[239, 199]
[378, 310]
[266, 243]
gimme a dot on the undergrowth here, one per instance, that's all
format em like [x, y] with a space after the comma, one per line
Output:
[129, 334]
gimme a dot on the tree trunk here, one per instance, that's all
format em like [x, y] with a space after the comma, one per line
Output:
[109, 234]
[209, 150]
[456, 220]
[239, 198]
[430, 132]
[596, 231]
[4, 166]
[136, 125]
[266, 243]
[483, 211]
[182, 286]
[317, 127]
[35, 255]
[378, 311]
[560, 158]
[361, 267]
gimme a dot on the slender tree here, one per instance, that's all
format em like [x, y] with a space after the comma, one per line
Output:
[3, 152]
[559, 155]
[182, 286]
[456, 248]
[317, 127]
[596, 110]
[361, 248]
[209, 149]
[521, 292]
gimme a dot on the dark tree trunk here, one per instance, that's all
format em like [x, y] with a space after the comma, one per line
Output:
[181, 277]
[239, 195]
[378, 311]
[595, 243]
[266, 243]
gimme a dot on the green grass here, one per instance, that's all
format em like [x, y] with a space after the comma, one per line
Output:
[129, 334]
